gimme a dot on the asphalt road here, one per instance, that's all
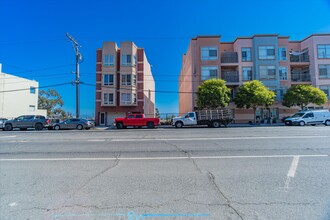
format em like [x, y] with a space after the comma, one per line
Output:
[191, 173]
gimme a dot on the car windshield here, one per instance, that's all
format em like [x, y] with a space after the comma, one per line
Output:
[297, 115]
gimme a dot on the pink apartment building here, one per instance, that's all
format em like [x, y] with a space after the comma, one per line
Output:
[275, 60]
[124, 82]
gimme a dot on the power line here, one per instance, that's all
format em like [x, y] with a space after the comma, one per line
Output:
[138, 90]
[37, 70]
[40, 87]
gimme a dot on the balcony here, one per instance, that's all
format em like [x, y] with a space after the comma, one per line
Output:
[230, 76]
[229, 57]
[300, 76]
[303, 58]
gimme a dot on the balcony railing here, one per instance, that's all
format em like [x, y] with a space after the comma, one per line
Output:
[230, 76]
[229, 57]
[299, 58]
[300, 76]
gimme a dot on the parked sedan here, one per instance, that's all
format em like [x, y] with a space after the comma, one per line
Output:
[73, 123]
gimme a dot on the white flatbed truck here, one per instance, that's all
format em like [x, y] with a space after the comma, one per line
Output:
[211, 117]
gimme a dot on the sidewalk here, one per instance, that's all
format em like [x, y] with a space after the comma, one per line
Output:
[237, 125]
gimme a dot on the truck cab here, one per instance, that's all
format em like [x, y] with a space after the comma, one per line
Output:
[188, 119]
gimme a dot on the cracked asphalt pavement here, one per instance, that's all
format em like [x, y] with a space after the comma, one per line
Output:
[165, 173]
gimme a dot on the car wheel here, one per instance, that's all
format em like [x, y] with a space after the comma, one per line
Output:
[178, 124]
[57, 127]
[39, 127]
[80, 127]
[150, 125]
[302, 123]
[215, 124]
[8, 127]
[119, 125]
[327, 123]
[288, 123]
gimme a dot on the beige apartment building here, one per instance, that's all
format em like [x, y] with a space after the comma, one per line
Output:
[124, 82]
[275, 60]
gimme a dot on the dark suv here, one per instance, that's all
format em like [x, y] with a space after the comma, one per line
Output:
[24, 122]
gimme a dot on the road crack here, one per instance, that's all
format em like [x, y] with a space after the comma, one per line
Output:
[187, 154]
[276, 203]
[217, 189]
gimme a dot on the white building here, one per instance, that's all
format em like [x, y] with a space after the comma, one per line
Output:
[18, 96]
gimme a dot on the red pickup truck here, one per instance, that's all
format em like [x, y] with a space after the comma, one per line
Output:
[136, 120]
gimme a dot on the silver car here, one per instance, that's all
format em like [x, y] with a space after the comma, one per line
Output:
[73, 123]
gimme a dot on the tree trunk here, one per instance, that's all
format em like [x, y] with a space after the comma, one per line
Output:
[254, 115]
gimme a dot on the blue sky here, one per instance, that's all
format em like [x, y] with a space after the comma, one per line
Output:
[33, 43]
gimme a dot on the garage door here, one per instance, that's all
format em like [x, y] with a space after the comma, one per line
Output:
[112, 115]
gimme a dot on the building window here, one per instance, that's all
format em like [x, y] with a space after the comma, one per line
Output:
[126, 59]
[32, 108]
[126, 98]
[109, 60]
[324, 71]
[209, 53]
[266, 52]
[267, 72]
[209, 72]
[134, 98]
[247, 73]
[33, 90]
[282, 53]
[283, 72]
[283, 90]
[323, 51]
[326, 89]
[126, 79]
[108, 98]
[134, 79]
[108, 79]
[246, 54]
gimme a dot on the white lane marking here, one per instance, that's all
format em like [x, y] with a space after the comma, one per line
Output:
[12, 136]
[294, 165]
[12, 204]
[159, 158]
[97, 140]
[212, 138]
[292, 171]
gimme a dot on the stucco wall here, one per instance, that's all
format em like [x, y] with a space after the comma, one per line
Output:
[16, 103]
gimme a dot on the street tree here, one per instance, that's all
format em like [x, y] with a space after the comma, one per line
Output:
[302, 95]
[213, 93]
[254, 94]
[52, 101]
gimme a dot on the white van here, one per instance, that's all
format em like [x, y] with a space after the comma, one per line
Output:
[312, 117]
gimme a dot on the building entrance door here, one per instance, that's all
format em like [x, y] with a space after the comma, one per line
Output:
[102, 118]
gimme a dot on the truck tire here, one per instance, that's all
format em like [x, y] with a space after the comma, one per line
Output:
[178, 124]
[8, 127]
[39, 127]
[150, 124]
[119, 125]
[327, 123]
[215, 124]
